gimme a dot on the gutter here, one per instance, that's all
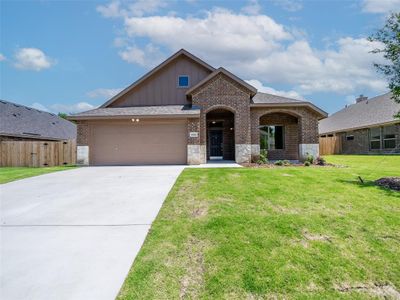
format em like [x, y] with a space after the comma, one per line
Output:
[120, 117]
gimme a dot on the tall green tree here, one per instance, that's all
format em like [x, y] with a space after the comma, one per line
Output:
[389, 36]
[62, 115]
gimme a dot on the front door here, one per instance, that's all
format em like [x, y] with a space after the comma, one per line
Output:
[216, 143]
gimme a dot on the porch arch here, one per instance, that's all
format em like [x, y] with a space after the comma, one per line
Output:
[281, 130]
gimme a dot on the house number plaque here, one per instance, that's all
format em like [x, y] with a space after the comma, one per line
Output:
[194, 134]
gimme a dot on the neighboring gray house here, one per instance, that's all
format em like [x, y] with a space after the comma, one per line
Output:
[19, 122]
[366, 127]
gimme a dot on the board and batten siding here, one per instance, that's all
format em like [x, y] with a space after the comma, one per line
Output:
[161, 88]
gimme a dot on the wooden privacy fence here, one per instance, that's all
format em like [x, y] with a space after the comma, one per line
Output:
[330, 145]
[37, 154]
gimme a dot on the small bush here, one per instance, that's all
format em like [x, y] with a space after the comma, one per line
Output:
[279, 163]
[263, 157]
[307, 163]
[286, 162]
[309, 158]
[321, 161]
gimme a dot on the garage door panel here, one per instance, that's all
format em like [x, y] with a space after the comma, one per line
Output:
[128, 144]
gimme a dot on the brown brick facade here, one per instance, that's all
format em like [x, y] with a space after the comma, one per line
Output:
[223, 92]
[82, 134]
[360, 142]
[291, 133]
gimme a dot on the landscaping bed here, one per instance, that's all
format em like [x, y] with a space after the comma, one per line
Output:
[392, 183]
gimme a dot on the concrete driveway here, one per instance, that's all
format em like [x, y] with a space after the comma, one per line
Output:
[74, 234]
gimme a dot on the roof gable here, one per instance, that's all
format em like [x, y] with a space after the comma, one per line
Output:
[252, 90]
[161, 66]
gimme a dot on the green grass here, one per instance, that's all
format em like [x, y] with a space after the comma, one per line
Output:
[282, 233]
[8, 174]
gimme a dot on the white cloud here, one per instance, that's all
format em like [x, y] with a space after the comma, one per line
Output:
[103, 93]
[137, 8]
[112, 10]
[2, 57]
[381, 6]
[266, 89]
[252, 8]
[72, 108]
[147, 57]
[32, 59]
[350, 99]
[256, 46]
[39, 106]
[64, 108]
[289, 5]
[219, 33]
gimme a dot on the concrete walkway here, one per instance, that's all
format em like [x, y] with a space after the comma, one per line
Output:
[74, 234]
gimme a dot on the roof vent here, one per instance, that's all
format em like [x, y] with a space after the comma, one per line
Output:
[361, 98]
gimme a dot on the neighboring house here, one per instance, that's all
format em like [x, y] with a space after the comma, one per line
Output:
[186, 111]
[22, 123]
[366, 127]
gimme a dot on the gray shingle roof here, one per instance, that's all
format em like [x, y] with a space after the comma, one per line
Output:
[367, 113]
[272, 99]
[22, 121]
[264, 99]
[176, 110]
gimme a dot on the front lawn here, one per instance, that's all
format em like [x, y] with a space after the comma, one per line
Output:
[281, 233]
[8, 174]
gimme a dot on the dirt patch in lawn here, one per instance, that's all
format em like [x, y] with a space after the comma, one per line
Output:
[193, 281]
[310, 237]
[382, 291]
[392, 183]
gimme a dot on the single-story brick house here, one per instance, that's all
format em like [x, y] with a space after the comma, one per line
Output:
[185, 111]
[22, 123]
[366, 127]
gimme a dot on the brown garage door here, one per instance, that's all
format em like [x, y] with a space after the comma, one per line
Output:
[139, 143]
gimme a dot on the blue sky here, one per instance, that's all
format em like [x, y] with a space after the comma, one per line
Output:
[68, 56]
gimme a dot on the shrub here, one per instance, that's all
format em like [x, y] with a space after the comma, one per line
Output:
[307, 163]
[278, 163]
[321, 161]
[263, 157]
[286, 162]
[309, 158]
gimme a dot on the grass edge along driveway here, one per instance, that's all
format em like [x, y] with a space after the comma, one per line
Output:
[287, 232]
[8, 174]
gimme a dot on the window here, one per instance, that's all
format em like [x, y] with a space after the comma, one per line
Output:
[271, 137]
[183, 81]
[389, 137]
[349, 137]
[375, 138]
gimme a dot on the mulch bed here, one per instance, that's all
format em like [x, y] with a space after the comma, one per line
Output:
[270, 165]
[392, 183]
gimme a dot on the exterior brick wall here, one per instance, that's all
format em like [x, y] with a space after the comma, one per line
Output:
[291, 133]
[82, 134]
[193, 125]
[304, 131]
[223, 92]
[360, 143]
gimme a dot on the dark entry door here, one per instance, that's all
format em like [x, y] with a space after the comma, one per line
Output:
[215, 142]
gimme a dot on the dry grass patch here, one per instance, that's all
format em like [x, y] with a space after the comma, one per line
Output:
[382, 291]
